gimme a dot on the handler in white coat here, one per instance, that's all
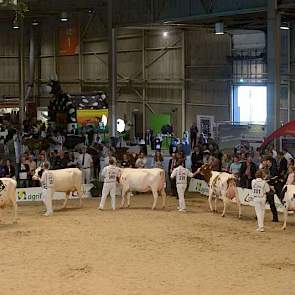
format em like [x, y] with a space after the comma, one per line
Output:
[110, 174]
[46, 184]
[259, 190]
[181, 174]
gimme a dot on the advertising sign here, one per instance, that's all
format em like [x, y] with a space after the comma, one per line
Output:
[68, 39]
[88, 117]
[245, 195]
[33, 194]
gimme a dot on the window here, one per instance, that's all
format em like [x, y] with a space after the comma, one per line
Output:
[249, 104]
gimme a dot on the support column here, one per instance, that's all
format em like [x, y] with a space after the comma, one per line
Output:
[289, 77]
[31, 65]
[21, 74]
[144, 86]
[80, 57]
[112, 68]
[273, 65]
[183, 100]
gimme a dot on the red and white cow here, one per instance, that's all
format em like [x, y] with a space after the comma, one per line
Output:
[143, 180]
[222, 186]
[8, 195]
[64, 180]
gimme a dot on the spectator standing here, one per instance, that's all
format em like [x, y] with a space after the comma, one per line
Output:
[96, 164]
[226, 162]
[2, 168]
[125, 163]
[287, 155]
[41, 161]
[196, 159]
[247, 173]
[202, 139]
[85, 162]
[270, 195]
[141, 161]
[283, 165]
[32, 166]
[211, 141]
[24, 173]
[291, 162]
[193, 135]
[17, 142]
[206, 157]
[158, 160]
[171, 167]
[133, 159]
[61, 161]
[215, 163]
[9, 170]
[235, 167]
[72, 161]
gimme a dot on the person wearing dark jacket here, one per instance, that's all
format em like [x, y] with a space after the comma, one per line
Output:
[273, 172]
[247, 173]
[197, 159]
[2, 168]
[172, 165]
[61, 161]
[283, 165]
[9, 170]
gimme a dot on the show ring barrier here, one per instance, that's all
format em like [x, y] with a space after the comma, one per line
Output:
[33, 194]
[245, 195]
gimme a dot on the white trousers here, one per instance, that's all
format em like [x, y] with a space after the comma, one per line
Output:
[47, 200]
[260, 210]
[180, 191]
[86, 174]
[108, 188]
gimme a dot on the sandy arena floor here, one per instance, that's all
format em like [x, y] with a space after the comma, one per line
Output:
[137, 251]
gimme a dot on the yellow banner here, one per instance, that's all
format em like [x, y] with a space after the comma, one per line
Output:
[85, 117]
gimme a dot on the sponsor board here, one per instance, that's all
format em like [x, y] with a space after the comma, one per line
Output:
[34, 194]
[245, 195]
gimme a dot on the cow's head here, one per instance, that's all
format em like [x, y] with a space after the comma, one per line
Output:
[277, 183]
[38, 173]
[206, 171]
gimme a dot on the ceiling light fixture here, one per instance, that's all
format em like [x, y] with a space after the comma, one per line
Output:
[64, 17]
[284, 26]
[219, 29]
[16, 22]
[35, 22]
[165, 34]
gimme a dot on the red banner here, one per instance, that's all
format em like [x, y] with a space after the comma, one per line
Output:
[286, 130]
[68, 39]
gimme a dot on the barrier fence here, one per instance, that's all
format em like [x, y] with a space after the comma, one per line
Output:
[33, 194]
[245, 195]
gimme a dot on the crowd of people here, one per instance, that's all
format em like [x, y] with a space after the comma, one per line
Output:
[92, 156]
